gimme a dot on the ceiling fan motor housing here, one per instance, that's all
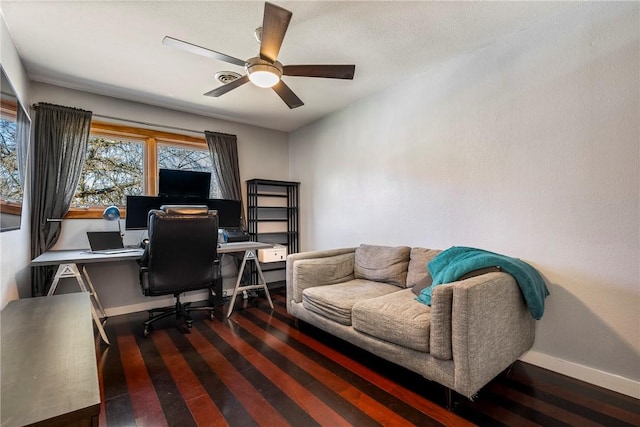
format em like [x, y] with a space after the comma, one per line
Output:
[263, 73]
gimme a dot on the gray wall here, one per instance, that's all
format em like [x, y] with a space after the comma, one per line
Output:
[263, 153]
[527, 147]
[14, 245]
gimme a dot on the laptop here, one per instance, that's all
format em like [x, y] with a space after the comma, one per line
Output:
[107, 242]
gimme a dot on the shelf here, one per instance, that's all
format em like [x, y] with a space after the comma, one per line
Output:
[283, 196]
[273, 202]
[271, 182]
[275, 234]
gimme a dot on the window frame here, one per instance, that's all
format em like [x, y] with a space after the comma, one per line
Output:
[10, 111]
[150, 139]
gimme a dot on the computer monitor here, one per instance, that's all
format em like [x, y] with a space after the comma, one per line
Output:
[137, 211]
[229, 212]
[138, 208]
[183, 183]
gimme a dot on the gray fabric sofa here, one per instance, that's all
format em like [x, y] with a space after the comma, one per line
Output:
[474, 329]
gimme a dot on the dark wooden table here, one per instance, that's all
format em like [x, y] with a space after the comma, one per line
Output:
[49, 370]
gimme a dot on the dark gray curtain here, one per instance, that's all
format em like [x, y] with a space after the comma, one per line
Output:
[224, 155]
[23, 127]
[58, 152]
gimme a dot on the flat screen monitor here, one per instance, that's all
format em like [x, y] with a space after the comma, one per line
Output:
[183, 183]
[228, 212]
[138, 208]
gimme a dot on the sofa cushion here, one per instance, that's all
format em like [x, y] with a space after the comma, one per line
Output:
[418, 276]
[320, 272]
[397, 318]
[382, 264]
[335, 301]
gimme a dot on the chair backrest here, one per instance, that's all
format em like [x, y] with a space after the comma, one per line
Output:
[182, 249]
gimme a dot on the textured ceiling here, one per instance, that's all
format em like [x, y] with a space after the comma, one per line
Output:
[115, 48]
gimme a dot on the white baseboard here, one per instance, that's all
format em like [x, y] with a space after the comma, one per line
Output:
[584, 373]
[155, 303]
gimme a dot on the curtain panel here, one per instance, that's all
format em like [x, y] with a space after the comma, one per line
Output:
[224, 156]
[59, 148]
[23, 129]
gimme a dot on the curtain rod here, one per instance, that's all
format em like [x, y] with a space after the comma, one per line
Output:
[102, 116]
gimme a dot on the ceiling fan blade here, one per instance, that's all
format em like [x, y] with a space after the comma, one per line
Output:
[274, 26]
[326, 71]
[287, 95]
[227, 87]
[198, 50]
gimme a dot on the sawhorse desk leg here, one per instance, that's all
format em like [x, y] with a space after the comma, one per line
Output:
[71, 270]
[249, 255]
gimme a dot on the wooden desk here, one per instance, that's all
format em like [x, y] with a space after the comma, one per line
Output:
[49, 371]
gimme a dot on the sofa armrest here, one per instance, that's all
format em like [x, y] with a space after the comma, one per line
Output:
[440, 335]
[491, 328]
[317, 268]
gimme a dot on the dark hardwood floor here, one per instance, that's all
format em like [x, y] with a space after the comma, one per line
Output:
[257, 369]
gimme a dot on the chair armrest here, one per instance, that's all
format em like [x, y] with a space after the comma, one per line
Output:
[144, 280]
[317, 268]
[491, 328]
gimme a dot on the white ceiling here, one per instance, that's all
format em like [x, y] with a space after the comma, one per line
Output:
[115, 48]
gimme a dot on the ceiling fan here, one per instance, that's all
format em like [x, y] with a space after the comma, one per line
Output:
[265, 70]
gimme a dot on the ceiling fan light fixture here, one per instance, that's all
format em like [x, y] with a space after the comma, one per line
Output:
[264, 74]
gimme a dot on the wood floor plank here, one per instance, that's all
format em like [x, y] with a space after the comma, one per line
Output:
[258, 369]
[118, 410]
[335, 400]
[146, 405]
[555, 386]
[100, 360]
[241, 362]
[175, 410]
[543, 407]
[368, 405]
[434, 411]
[315, 407]
[204, 411]
[262, 412]
[234, 412]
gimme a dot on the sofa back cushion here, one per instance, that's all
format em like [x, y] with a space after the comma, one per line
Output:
[418, 276]
[308, 273]
[382, 264]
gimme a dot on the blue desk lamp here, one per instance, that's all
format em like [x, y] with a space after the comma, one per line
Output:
[112, 213]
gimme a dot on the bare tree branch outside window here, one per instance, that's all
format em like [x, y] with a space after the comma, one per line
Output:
[10, 188]
[174, 157]
[113, 170]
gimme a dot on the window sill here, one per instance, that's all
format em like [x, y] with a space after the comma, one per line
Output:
[92, 212]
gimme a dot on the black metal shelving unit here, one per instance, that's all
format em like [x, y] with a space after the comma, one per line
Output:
[272, 215]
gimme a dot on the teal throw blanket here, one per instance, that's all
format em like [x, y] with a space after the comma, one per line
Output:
[453, 263]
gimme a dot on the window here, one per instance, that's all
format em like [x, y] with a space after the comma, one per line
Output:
[10, 187]
[188, 158]
[124, 160]
[113, 169]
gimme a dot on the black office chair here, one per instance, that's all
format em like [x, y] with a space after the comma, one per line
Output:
[181, 256]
